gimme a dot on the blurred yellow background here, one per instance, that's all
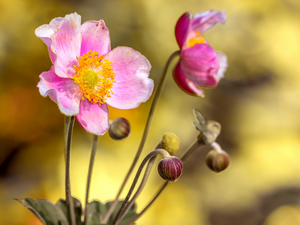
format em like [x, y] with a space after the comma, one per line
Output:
[257, 104]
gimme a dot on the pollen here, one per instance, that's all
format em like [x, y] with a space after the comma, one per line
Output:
[198, 38]
[94, 76]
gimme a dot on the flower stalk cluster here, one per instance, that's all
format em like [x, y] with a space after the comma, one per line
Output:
[87, 76]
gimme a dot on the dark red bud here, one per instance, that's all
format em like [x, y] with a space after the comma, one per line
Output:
[170, 169]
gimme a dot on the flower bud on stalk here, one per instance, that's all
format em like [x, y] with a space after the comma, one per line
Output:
[119, 129]
[170, 169]
[170, 142]
[212, 132]
[217, 160]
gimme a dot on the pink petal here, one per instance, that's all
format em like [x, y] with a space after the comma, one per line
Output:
[222, 65]
[182, 27]
[93, 118]
[62, 91]
[185, 84]
[45, 33]
[132, 86]
[203, 21]
[200, 65]
[95, 36]
[66, 44]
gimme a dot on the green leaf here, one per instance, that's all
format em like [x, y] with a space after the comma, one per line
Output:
[97, 209]
[199, 117]
[45, 211]
[52, 214]
[201, 121]
[62, 204]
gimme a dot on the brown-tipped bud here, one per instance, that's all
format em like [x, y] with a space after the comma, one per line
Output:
[213, 130]
[217, 161]
[119, 129]
[170, 142]
[170, 169]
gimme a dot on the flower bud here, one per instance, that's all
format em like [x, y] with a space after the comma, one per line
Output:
[217, 161]
[170, 169]
[170, 142]
[213, 130]
[119, 129]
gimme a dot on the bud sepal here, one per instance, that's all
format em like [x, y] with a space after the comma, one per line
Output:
[209, 129]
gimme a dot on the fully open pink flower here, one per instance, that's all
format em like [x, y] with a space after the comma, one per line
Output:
[199, 64]
[86, 75]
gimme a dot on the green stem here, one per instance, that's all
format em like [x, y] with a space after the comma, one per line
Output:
[67, 121]
[148, 157]
[183, 158]
[198, 143]
[144, 137]
[140, 188]
[69, 199]
[92, 159]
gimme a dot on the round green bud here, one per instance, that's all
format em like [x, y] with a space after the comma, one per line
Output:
[119, 129]
[170, 142]
[170, 169]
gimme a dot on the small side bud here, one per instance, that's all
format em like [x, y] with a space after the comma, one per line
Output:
[119, 129]
[213, 130]
[170, 169]
[217, 160]
[170, 142]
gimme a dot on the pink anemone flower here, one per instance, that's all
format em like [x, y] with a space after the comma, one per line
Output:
[86, 75]
[199, 64]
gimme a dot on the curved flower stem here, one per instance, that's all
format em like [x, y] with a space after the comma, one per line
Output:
[140, 188]
[198, 143]
[92, 159]
[145, 134]
[148, 157]
[183, 158]
[69, 199]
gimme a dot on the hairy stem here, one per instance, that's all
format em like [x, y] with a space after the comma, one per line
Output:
[69, 199]
[144, 137]
[92, 159]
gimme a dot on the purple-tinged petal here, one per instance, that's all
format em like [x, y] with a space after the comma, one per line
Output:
[203, 21]
[185, 84]
[132, 86]
[45, 32]
[93, 118]
[66, 44]
[200, 65]
[182, 27]
[62, 91]
[222, 58]
[95, 36]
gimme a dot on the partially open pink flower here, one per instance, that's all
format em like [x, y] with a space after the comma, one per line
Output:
[86, 75]
[199, 64]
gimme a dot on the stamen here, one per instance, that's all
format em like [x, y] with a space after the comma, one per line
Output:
[197, 39]
[94, 76]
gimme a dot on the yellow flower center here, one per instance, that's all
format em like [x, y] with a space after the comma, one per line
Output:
[94, 76]
[197, 39]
